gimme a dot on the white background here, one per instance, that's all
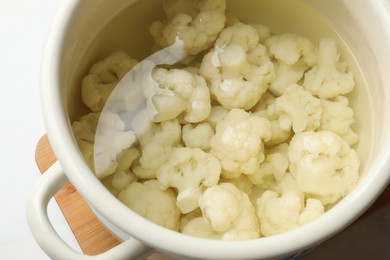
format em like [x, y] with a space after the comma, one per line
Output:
[23, 28]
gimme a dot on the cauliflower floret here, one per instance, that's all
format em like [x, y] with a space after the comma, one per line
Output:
[297, 108]
[242, 183]
[184, 92]
[229, 212]
[313, 210]
[198, 136]
[281, 148]
[330, 78]
[217, 114]
[198, 227]
[152, 201]
[240, 34]
[238, 69]
[290, 48]
[118, 181]
[188, 170]
[111, 142]
[263, 31]
[102, 79]
[293, 56]
[278, 214]
[286, 74]
[84, 132]
[266, 108]
[126, 159]
[238, 142]
[271, 172]
[197, 24]
[337, 117]
[106, 157]
[122, 175]
[186, 218]
[247, 35]
[156, 148]
[323, 164]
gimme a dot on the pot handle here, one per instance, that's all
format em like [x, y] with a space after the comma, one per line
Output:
[48, 239]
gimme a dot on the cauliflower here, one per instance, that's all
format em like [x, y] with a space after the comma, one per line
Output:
[242, 183]
[217, 113]
[263, 32]
[271, 172]
[198, 227]
[117, 154]
[152, 201]
[278, 214]
[290, 48]
[186, 218]
[229, 212]
[121, 179]
[197, 23]
[313, 210]
[156, 148]
[238, 69]
[126, 159]
[337, 117]
[84, 132]
[266, 108]
[238, 142]
[297, 108]
[286, 74]
[330, 78]
[240, 34]
[323, 164]
[184, 92]
[102, 79]
[188, 170]
[294, 55]
[198, 136]
[122, 175]
[118, 181]
[111, 141]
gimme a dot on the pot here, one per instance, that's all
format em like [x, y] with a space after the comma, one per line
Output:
[86, 31]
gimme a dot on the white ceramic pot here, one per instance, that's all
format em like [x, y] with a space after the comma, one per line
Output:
[76, 40]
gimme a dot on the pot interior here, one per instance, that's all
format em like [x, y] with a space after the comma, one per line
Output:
[99, 28]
